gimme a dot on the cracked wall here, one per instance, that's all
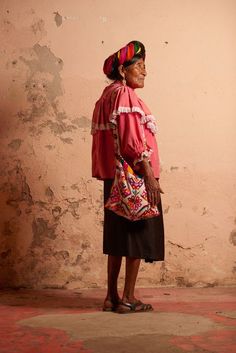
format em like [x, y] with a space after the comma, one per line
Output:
[51, 76]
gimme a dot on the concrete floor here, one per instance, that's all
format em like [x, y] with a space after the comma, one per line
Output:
[63, 321]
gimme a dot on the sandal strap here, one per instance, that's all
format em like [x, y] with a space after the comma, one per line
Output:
[131, 306]
[137, 306]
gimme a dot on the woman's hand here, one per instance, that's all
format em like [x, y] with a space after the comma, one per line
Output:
[153, 190]
[152, 184]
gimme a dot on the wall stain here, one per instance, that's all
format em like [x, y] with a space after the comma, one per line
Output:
[182, 282]
[73, 208]
[58, 128]
[232, 237]
[173, 168]
[15, 144]
[205, 211]
[82, 122]
[60, 115]
[43, 85]
[11, 227]
[42, 230]
[38, 27]
[75, 187]
[50, 147]
[45, 62]
[179, 204]
[67, 140]
[17, 187]
[5, 254]
[164, 275]
[62, 255]
[166, 210]
[42, 205]
[49, 193]
[77, 260]
[85, 245]
[56, 212]
[211, 284]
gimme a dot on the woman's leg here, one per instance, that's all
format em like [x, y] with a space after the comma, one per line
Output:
[113, 270]
[129, 302]
[131, 272]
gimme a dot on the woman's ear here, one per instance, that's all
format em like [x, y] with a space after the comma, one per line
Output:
[121, 71]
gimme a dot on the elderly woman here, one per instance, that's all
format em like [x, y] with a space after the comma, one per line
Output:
[142, 239]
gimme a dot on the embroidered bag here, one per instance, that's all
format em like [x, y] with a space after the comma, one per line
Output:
[128, 196]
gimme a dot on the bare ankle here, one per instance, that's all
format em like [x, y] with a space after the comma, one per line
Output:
[128, 299]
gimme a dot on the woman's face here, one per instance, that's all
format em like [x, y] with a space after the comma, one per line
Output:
[135, 74]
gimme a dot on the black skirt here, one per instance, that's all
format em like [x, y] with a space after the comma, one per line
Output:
[142, 239]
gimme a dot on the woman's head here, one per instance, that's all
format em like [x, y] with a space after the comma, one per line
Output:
[127, 63]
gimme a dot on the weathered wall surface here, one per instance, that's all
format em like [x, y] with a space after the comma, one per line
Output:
[51, 209]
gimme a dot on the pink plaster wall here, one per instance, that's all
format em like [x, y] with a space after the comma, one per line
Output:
[51, 60]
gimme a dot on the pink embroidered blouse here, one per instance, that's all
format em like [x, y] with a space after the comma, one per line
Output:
[120, 106]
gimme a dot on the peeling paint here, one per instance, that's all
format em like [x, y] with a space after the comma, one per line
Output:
[58, 19]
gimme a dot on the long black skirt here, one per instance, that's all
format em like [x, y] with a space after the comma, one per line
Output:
[142, 239]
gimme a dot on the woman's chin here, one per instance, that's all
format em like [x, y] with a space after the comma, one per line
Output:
[137, 85]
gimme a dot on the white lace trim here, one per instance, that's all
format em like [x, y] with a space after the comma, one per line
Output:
[144, 154]
[151, 123]
[149, 120]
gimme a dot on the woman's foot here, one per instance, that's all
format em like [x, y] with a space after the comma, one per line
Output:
[136, 306]
[111, 304]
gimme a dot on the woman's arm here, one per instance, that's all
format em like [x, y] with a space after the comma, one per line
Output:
[133, 148]
[152, 184]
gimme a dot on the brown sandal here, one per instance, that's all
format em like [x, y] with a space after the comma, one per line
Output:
[136, 307]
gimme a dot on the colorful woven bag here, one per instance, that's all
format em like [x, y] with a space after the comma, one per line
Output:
[128, 196]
